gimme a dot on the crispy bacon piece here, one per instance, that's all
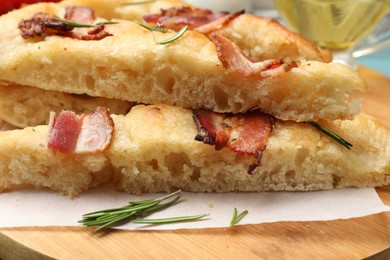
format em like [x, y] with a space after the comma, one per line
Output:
[219, 23]
[42, 25]
[64, 131]
[246, 134]
[85, 15]
[176, 17]
[232, 58]
[69, 133]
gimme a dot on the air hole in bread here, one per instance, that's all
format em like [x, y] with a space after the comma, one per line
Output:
[154, 164]
[195, 174]
[221, 98]
[90, 82]
[290, 176]
[131, 73]
[169, 84]
[301, 155]
[237, 106]
[336, 180]
[175, 163]
[101, 72]
[275, 171]
[165, 80]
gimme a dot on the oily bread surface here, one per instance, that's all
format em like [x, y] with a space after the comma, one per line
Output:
[28, 106]
[154, 150]
[258, 37]
[187, 73]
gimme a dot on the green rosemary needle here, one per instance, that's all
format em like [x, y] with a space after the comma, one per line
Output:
[108, 22]
[150, 28]
[176, 36]
[332, 135]
[80, 25]
[236, 218]
[179, 34]
[140, 2]
[169, 220]
[133, 210]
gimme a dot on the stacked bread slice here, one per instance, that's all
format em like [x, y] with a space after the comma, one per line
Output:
[163, 143]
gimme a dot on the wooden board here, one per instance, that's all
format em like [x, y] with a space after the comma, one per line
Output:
[351, 239]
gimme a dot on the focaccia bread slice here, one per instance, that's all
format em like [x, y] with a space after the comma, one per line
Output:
[258, 37]
[28, 106]
[187, 72]
[153, 150]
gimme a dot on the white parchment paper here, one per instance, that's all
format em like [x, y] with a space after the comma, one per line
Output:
[43, 208]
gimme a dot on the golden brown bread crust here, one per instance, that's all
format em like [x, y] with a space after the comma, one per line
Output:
[187, 73]
[260, 38]
[27, 106]
[264, 38]
[154, 150]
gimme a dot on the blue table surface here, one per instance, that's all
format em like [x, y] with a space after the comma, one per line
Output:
[379, 61]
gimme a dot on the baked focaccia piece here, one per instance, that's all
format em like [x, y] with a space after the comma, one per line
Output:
[194, 71]
[258, 37]
[153, 149]
[28, 106]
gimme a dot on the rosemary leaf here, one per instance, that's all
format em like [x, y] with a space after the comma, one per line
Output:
[332, 135]
[107, 219]
[150, 28]
[169, 220]
[236, 218]
[179, 34]
[108, 23]
[140, 2]
[113, 221]
[176, 193]
[176, 36]
[162, 206]
[80, 25]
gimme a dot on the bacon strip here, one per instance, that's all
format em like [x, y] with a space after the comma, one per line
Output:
[219, 23]
[246, 134]
[85, 15]
[42, 25]
[64, 132]
[232, 58]
[176, 17]
[69, 133]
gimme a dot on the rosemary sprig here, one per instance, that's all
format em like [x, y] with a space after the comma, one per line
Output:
[332, 135]
[179, 34]
[140, 2]
[236, 218]
[80, 25]
[135, 209]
